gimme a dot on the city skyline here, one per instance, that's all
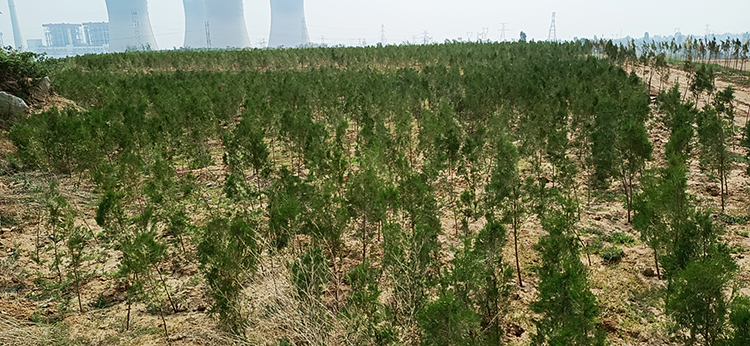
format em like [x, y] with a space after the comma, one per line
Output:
[354, 22]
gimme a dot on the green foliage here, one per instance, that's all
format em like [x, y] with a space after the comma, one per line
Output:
[702, 81]
[20, 71]
[740, 321]
[679, 118]
[480, 280]
[696, 298]
[715, 131]
[76, 244]
[570, 312]
[620, 238]
[611, 254]
[365, 316]
[378, 145]
[228, 253]
[448, 321]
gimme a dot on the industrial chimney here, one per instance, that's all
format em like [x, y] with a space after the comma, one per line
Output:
[129, 26]
[196, 29]
[225, 24]
[16, 27]
[288, 26]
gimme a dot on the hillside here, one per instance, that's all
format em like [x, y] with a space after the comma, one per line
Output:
[360, 196]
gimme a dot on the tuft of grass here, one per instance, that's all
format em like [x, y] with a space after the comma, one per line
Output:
[732, 220]
[620, 238]
[737, 249]
[611, 254]
[595, 246]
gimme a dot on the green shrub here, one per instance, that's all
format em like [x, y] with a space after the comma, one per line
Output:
[620, 238]
[740, 321]
[611, 254]
[595, 246]
[20, 71]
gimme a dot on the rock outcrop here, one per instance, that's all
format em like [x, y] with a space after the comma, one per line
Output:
[11, 106]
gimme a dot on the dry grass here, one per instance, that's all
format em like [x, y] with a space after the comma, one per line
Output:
[14, 332]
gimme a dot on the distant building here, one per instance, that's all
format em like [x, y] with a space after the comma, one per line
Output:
[63, 35]
[63, 40]
[1, 40]
[34, 44]
[96, 34]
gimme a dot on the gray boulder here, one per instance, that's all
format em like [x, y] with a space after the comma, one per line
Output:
[11, 106]
[42, 89]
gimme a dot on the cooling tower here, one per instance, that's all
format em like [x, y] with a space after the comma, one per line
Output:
[288, 27]
[226, 24]
[14, 23]
[129, 26]
[195, 23]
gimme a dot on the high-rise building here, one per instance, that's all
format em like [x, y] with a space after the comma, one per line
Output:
[129, 26]
[196, 29]
[63, 35]
[225, 24]
[96, 34]
[288, 25]
[2, 44]
[16, 26]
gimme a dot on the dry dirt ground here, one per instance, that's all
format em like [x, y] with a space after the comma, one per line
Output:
[631, 299]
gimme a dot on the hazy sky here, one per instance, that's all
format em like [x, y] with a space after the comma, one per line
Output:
[349, 21]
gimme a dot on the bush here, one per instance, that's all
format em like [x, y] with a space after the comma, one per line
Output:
[20, 71]
[620, 238]
[611, 254]
[595, 246]
[740, 321]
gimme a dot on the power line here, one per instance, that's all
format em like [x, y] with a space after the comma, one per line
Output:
[552, 30]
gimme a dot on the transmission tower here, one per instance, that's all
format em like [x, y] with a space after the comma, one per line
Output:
[303, 32]
[208, 36]
[502, 32]
[136, 29]
[383, 40]
[483, 36]
[426, 38]
[552, 30]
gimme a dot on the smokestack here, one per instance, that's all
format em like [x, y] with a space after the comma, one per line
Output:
[225, 25]
[129, 26]
[288, 26]
[195, 24]
[16, 27]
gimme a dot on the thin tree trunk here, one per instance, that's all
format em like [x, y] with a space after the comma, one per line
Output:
[364, 241]
[78, 290]
[166, 289]
[127, 318]
[656, 264]
[515, 244]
